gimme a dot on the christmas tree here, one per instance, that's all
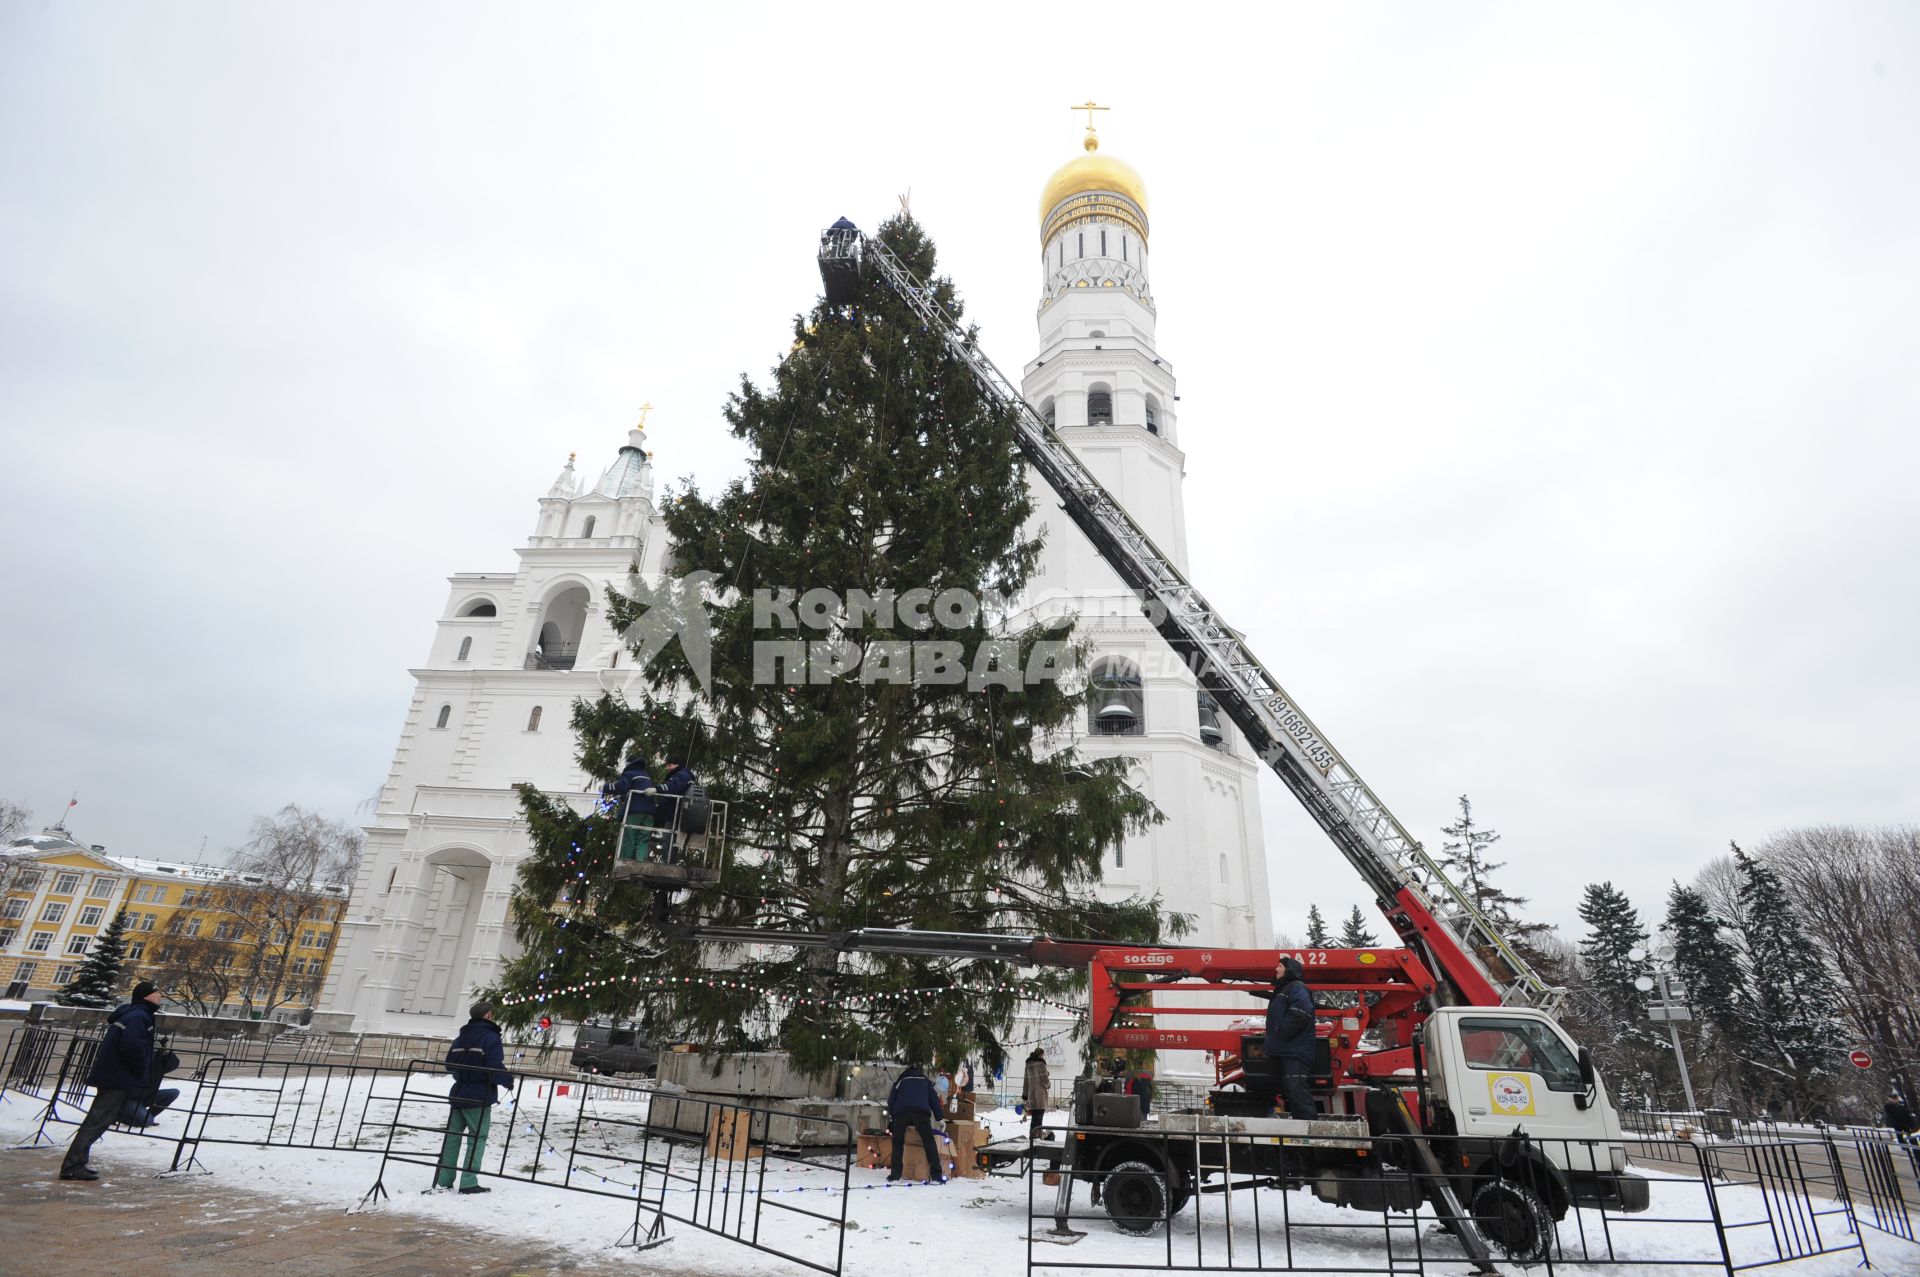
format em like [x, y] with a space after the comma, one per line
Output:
[96, 983]
[867, 785]
[1317, 933]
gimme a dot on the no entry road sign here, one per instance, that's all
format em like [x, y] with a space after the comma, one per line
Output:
[1861, 1060]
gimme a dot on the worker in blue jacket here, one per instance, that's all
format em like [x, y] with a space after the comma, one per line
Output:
[914, 1104]
[478, 1064]
[1289, 1040]
[121, 1065]
[640, 815]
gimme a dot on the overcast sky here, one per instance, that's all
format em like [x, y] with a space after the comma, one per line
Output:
[1556, 445]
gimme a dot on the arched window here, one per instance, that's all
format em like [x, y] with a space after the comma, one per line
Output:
[533, 719]
[586, 529]
[558, 644]
[1211, 733]
[1100, 404]
[1116, 701]
[1097, 333]
[1153, 415]
[466, 646]
[480, 607]
[1223, 868]
[446, 712]
[1046, 411]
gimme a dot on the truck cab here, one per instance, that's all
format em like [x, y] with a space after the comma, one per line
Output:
[1508, 1088]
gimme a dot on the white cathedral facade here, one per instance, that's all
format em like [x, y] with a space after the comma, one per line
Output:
[428, 921]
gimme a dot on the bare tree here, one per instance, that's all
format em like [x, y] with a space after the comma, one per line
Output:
[14, 820]
[276, 892]
[197, 972]
[1859, 891]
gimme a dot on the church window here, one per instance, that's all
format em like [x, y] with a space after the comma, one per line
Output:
[1063, 254]
[1120, 856]
[1083, 243]
[446, 712]
[614, 663]
[586, 529]
[558, 643]
[533, 719]
[1098, 332]
[1103, 243]
[480, 607]
[1046, 410]
[1116, 702]
[466, 646]
[1100, 405]
[1153, 415]
[1223, 868]
[1123, 249]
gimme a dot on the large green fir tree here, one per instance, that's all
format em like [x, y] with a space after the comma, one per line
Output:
[869, 789]
[1708, 966]
[1618, 1030]
[1354, 932]
[1795, 1043]
[97, 982]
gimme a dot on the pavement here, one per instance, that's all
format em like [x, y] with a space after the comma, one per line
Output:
[135, 1222]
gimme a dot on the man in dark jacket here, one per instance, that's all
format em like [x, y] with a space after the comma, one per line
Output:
[121, 1066]
[478, 1065]
[914, 1104]
[1898, 1116]
[674, 785]
[1290, 1038]
[638, 816]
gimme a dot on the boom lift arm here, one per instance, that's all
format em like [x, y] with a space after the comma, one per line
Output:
[1426, 909]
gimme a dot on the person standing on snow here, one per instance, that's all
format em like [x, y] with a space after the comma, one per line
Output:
[1033, 1091]
[121, 1066]
[478, 1065]
[913, 1104]
[1898, 1116]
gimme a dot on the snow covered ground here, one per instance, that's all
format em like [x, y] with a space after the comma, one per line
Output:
[896, 1229]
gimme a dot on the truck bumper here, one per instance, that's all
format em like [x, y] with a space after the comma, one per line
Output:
[1624, 1192]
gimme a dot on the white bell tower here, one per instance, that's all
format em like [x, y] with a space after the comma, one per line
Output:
[1104, 386]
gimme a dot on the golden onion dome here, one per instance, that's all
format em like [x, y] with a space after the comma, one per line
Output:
[1092, 172]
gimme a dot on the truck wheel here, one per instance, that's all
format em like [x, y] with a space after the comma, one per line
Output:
[1514, 1219]
[1136, 1198]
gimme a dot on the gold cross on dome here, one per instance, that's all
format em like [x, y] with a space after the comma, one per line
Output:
[1089, 106]
[645, 408]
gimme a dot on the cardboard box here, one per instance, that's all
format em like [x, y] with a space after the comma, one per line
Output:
[875, 1152]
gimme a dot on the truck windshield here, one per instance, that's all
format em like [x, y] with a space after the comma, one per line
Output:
[1526, 1046]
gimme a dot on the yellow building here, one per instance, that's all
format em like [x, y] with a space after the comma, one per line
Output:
[215, 941]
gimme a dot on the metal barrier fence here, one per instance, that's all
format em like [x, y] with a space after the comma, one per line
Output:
[1889, 1180]
[701, 1162]
[1214, 1201]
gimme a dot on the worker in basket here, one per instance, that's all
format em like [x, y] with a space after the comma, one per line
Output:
[635, 798]
[675, 812]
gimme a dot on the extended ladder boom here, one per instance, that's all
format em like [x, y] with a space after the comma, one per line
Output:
[1427, 910]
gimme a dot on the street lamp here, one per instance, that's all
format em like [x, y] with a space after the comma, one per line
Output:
[1667, 1007]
